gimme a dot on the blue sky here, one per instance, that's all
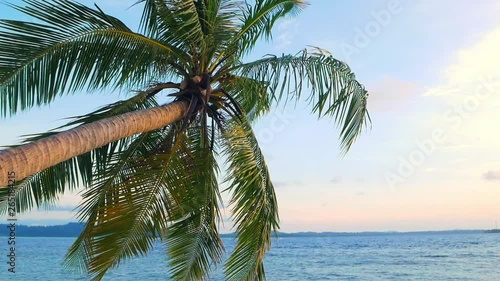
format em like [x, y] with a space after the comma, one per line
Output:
[430, 161]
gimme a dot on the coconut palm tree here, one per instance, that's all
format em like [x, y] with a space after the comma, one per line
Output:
[150, 171]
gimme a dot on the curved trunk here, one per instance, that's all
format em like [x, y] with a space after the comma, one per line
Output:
[26, 160]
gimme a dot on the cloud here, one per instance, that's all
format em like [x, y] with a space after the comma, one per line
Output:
[492, 175]
[473, 66]
[280, 184]
[469, 91]
[41, 215]
[69, 200]
[287, 30]
[452, 147]
[360, 179]
[336, 179]
[288, 183]
[61, 208]
[390, 93]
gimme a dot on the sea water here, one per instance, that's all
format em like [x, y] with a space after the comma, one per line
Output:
[449, 256]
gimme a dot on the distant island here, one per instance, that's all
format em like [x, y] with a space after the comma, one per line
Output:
[74, 229]
[494, 230]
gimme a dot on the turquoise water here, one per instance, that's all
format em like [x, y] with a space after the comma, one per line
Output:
[474, 256]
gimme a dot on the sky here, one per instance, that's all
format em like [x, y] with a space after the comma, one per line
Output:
[431, 159]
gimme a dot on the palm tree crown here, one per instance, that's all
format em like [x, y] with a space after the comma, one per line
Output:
[163, 184]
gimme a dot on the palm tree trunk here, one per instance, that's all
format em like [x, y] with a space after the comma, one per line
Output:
[26, 160]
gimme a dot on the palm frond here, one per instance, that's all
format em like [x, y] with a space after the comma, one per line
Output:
[251, 95]
[255, 209]
[219, 28]
[193, 241]
[127, 207]
[176, 22]
[334, 90]
[81, 253]
[200, 28]
[258, 20]
[43, 189]
[151, 17]
[74, 47]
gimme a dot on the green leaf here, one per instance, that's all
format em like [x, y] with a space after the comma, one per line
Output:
[77, 48]
[251, 95]
[127, 207]
[193, 241]
[334, 90]
[255, 209]
[258, 20]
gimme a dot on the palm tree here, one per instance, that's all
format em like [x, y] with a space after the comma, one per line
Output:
[150, 171]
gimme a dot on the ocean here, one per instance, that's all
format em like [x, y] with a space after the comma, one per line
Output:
[415, 256]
